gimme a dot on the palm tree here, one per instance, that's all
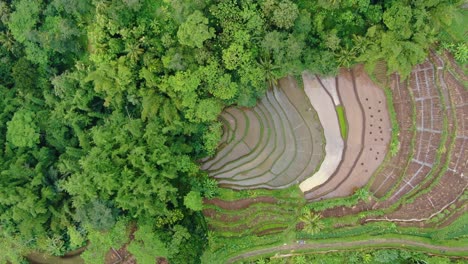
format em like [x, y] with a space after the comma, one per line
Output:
[461, 53]
[312, 223]
[346, 57]
[362, 194]
[269, 68]
[7, 41]
[360, 44]
[134, 51]
[300, 259]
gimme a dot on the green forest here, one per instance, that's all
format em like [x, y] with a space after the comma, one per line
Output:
[107, 106]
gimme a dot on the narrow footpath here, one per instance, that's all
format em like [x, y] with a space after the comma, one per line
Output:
[384, 242]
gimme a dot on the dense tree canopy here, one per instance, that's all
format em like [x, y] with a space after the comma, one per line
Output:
[107, 106]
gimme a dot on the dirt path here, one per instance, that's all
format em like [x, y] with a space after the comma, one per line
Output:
[344, 245]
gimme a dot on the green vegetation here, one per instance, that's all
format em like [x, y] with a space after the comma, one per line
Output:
[342, 120]
[387, 255]
[107, 107]
[453, 37]
[455, 234]
[359, 195]
[259, 225]
[394, 141]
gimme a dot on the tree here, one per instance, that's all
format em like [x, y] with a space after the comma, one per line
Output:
[269, 69]
[17, 249]
[133, 51]
[24, 75]
[332, 41]
[346, 57]
[285, 14]
[300, 259]
[233, 56]
[211, 137]
[7, 41]
[180, 235]
[24, 19]
[193, 201]
[147, 245]
[312, 223]
[194, 31]
[398, 18]
[282, 14]
[77, 238]
[208, 110]
[386, 256]
[96, 214]
[101, 241]
[461, 52]
[22, 129]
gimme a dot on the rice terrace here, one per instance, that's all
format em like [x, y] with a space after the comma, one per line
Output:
[373, 191]
[233, 131]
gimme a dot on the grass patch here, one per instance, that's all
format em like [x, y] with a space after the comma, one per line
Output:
[360, 194]
[232, 195]
[453, 38]
[412, 247]
[450, 234]
[415, 243]
[385, 254]
[342, 119]
[456, 32]
[394, 141]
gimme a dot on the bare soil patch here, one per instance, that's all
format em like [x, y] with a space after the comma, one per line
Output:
[445, 189]
[454, 180]
[390, 173]
[334, 146]
[429, 114]
[428, 137]
[375, 134]
[354, 143]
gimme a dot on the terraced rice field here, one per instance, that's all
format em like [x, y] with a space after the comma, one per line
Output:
[369, 134]
[448, 180]
[273, 145]
[427, 177]
[258, 215]
[279, 143]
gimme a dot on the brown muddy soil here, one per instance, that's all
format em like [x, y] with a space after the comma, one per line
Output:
[453, 181]
[369, 135]
[428, 130]
[389, 174]
[354, 142]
